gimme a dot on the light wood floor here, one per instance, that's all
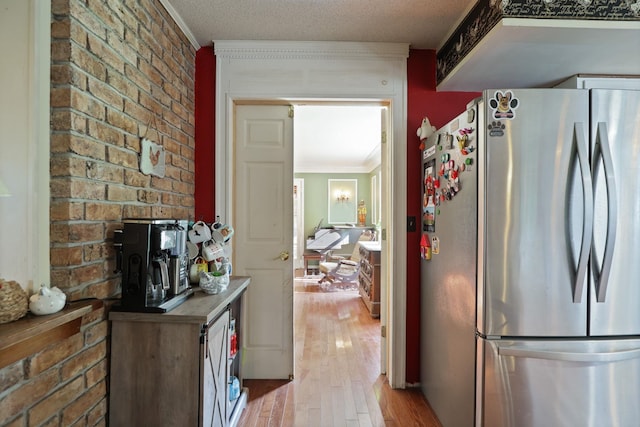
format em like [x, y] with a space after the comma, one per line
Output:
[337, 380]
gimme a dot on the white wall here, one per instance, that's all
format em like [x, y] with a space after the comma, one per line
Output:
[24, 140]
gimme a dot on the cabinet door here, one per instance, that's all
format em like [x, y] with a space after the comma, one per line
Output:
[214, 373]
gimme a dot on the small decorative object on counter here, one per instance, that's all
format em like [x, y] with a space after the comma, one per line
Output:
[214, 252]
[199, 265]
[47, 301]
[214, 283]
[14, 302]
[362, 214]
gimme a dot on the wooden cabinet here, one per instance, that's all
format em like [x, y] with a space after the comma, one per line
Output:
[173, 368]
[369, 276]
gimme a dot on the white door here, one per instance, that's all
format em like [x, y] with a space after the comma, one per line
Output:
[263, 240]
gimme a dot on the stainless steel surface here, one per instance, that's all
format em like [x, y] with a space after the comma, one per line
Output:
[602, 150]
[580, 145]
[584, 383]
[448, 297]
[528, 270]
[619, 313]
[557, 238]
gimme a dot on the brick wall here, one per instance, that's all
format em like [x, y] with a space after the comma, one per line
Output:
[121, 70]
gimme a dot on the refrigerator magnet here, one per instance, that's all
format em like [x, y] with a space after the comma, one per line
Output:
[503, 105]
[435, 245]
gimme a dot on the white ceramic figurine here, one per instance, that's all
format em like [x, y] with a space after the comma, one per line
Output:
[47, 301]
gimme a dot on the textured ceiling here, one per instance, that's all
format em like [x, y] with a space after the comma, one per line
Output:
[422, 23]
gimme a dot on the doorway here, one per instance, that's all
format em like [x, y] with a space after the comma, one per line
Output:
[264, 71]
[336, 143]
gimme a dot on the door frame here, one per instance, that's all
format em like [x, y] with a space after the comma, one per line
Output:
[267, 71]
[298, 237]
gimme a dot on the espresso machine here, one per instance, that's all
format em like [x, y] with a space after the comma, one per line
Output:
[154, 261]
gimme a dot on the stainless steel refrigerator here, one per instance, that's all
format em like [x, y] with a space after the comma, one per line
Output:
[530, 286]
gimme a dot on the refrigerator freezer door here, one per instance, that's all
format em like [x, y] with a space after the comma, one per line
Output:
[535, 174]
[558, 383]
[615, 278]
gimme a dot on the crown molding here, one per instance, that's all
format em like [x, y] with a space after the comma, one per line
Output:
[180, 23]
[262, 49]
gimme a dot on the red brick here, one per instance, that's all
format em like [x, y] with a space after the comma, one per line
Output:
[135, 111]
[161, 183]
[94, 252]
[54, 354]
[85, 275]
[122, 49]
[88, 148]
[99, 290]
[112, 17]
[60, 97]
[106, 94]
[60, 50]
[64, 165]
[66, 210]
[96, 333]
[82, 361]
[80, 406]
[83, 101]
[136, 178]
[105, 133]
[121, 120]
[88, 63]
[25, 395]
[104, 172]
[11, 375]
[123, 86]
[121, 194]
[18, 422]
[137, 78]
[102, 212]
[87, 18]
[97, 373]
[55, 401]
[66, 256]
[94, 316]
[60, 7]
[135, 211]
[97, 414]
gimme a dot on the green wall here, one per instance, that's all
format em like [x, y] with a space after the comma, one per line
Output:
[316, 196]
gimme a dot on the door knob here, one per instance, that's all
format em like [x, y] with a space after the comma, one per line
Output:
[284, 255]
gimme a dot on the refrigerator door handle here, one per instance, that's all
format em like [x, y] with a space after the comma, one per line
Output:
[603, 149]
[568, 356]
[580, 145]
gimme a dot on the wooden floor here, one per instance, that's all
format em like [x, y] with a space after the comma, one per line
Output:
[337, 380]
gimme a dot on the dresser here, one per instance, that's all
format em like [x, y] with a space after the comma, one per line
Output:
[369, 276]
[174, 368]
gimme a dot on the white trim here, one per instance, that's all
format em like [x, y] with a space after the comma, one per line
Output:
[180, 23]
[41, 57]
[291, 71]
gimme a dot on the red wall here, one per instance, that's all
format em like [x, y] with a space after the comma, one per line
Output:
[439, 107]
[205, 96]
[423, 100]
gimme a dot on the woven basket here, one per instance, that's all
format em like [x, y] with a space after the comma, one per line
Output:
[14, 302]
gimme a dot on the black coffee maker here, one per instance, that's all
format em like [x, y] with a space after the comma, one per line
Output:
[154, 261]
